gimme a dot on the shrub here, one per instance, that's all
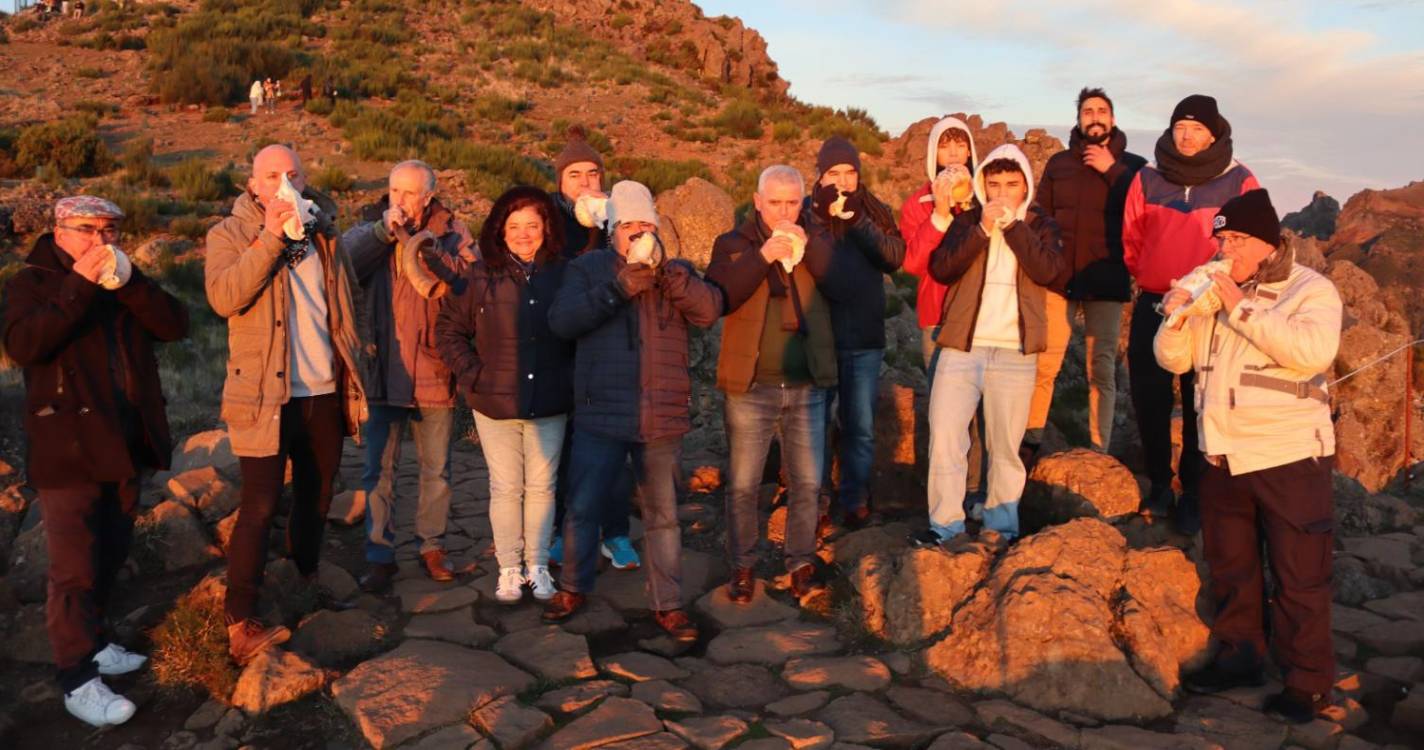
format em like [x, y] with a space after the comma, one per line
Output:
[71, 146]
[195, 181]
[217, 114]
[739, 118]
[211, 55]
[622, 20]
[190, 646]
[390, 133]
[490, 169]
[332, 179]
[98, 109]
[660, 174]
[319, 106]
[785, 131]
[137, 161]
[192, 227]
[500, 108]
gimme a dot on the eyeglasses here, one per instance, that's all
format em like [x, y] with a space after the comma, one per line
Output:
[108, 233]
[1229, 240]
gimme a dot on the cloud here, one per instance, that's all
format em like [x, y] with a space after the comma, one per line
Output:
[920, 89]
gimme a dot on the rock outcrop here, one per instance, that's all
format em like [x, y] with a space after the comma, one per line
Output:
[692, 215]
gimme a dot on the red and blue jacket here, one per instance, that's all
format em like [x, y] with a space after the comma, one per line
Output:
[1166, 228]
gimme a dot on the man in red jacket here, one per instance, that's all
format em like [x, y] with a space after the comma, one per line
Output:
[1166, 232]
[81, 320]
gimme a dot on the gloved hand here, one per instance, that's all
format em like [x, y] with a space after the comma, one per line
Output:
[850, 205]
[636, 278]
[821, 201]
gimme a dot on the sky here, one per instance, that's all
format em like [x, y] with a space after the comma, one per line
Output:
[1320, 95]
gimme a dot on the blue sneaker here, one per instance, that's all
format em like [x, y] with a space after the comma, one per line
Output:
[621, 552]
[556, 551]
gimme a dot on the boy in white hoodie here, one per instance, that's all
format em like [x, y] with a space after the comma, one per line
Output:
[995, 260]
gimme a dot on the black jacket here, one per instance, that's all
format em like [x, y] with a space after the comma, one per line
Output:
[1088, 206]
[94, 408]
[494, 336]
[578, 239]
[863, 251]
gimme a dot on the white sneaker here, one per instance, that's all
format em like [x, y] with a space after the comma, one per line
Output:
[96, 705]
[542, 582]
[511, 585]
[116, 659]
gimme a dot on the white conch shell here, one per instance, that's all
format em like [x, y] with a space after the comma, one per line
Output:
[838, 208]
[306, 210]
[798, 248]
[591, 210]
[116, 270]
[644, 250]
[1204, 299]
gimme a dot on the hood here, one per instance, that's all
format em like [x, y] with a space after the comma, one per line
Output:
[931, 168]
[1006, 151]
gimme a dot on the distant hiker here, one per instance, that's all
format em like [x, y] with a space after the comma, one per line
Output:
[1166, 232]
[79, 9]
[276, 271]
[408, 253]
[1084, 188]
[866, 245]
[81, 320]
[996, 260]
[276, 93]
[305, 87]
[255, 94]
[269, 95]
[1265, 429]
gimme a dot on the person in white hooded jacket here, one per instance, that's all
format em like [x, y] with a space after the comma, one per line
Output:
[995, 260]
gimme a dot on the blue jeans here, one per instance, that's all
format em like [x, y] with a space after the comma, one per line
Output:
[593, 469]
[615, 511]
[858, 373]
[431, 429]
[1003, 379]
[752, 420]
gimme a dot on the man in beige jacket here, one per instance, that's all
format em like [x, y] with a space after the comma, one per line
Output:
[1261, 356]
[276, 271]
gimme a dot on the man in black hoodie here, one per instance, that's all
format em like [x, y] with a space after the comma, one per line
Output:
[867, 245]
[1083, 189]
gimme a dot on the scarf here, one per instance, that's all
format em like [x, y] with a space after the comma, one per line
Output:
[782, 289]
[1190, 171]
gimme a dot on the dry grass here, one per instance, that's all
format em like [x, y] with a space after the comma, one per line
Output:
[190, 645]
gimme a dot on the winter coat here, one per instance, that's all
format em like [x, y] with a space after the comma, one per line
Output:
[863, 251]
[922, 233]
[94, 408]
[494, 335]
[1166, 228]
[402, 366]
[962, 259]
[246, 283]
[1088, 205]
[1261, 394]
[578, 239]
[631, 380]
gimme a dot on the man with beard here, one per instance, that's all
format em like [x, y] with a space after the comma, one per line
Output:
[1166, 232]
[1083, 189]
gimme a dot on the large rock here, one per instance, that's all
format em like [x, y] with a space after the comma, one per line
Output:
[901, 445]
[1316, 219]
[693, 215]
[205, 491]
[1044, 629]
[548, 652]
[29, 564]
[420, 686]
[274, 677]
[210, 448]
[909, 597]
[176, 536]
[331, 638]
[1075, 484]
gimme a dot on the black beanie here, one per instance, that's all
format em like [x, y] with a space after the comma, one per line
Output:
[1200, 108]
[836, 150]
[1250, 213]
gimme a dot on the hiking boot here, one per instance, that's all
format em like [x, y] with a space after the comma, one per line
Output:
[377, 579]
[677, 624]
[542, 583]
[510, 588]
[562, 606]
[1295, 706]
[1186, 515]
[249, 638]
[115, 659]
[620, 551]
[1158, 503]
[437, 567]
[1217, 677]
[96, 705]
[742, 586]
[803, 581]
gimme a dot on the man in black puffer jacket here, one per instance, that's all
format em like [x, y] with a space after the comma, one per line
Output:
[629, 308]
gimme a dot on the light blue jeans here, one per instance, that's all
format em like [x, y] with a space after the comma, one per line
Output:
[523, 460]
[1003, 379]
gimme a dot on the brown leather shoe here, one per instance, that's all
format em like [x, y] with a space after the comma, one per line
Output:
[742, 586]
[247, 639]
[803, 581]
[677, 624]
[562, 606]
[436, 566]
[377, 579]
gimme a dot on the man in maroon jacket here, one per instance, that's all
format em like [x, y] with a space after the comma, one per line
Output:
[81, 320]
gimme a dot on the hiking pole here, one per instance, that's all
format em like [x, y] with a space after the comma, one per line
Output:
[1408, 411]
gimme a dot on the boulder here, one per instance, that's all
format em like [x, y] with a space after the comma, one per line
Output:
[331, 638]
[206, 492]
[913, 598]
[692, 216]
[1159, 617]
[175, 535]
[210, 448]
[1076, 484]
[1316, 219]
[274, 677]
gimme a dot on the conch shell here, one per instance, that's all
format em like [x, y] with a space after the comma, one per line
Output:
[644, 250]
[1201, 286]
[116, 269]
[295, 227]
[798, 248]
[591, 210]
[838, 208]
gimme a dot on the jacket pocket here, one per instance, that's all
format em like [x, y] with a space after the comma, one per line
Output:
[242, 391]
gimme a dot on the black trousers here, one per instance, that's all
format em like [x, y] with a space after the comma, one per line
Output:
[1153, 400]
[88, 530]
[1292, 505]
[311, 435]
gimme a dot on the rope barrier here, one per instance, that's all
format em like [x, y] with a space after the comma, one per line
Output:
[1375, 361]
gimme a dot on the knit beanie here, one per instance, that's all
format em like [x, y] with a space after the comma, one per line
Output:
[1250, 213]
[631, 201]
[1200, 108]
[836, 151]
[575, 151]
